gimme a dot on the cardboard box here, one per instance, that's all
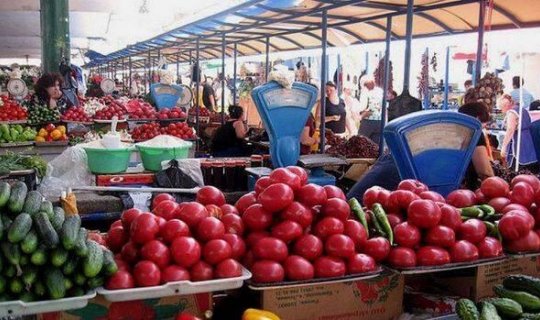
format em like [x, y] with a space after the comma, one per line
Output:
[478, 283]
[378, 298]
[158, 309]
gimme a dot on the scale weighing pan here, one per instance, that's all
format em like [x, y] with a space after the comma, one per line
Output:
[284, 113]
[164, 95]
[434, 147]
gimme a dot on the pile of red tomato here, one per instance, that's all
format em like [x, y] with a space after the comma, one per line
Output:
[180, 130]
[138, 109]
[203, 112]
[194, 241]
[76, 114]
[152, 129]
[110, 111]
[297, 231]
[11, 110]
[173, 113]
[146, 131]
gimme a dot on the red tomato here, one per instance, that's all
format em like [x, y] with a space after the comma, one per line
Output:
[374, 195]
[461, 198]
[440, 236]
[464, 251]
[412, 185]
[191, 213]
[116, 224]
[311, 195]
[514, 206]
[472, 230]
[328, 226]
[489, 248]
[214, 211]
[285, 176]
[525, 214]
[328, 267]
[266, 271]
[229, 208]
[130, 252]
[494, 187]
[334, 192]
[210, 195]
[401, 257]
[144, 228]
[297, 268]
[201, 271]
[309, 247]
[432, 256]
[499, 203]
[361, 263]
[529, 179]
[522, 193]
[300, 172]
[394, 219]
[340, 246]
[156, 252]
[120, 280]
[228, 268]
[270, 248]
[356, 231]
[261, 184]
[186, 316]
[254, 237]
[238, 246]
[256, 218]
[146, 274]
[165, 209]
[514, 226]
[161, 197]
[378, 248]
[480, 197]
[174, 273]
[424, 214]
[185, 251]
[400, 200]
[276, 197]
[217, 250]
[233, 223]
[245, 202]
[299, 213]
[210, 228]
[116, 238]
[432, 195]
[121, 264]
[128, 216]
[527, 243]
[287, 231]
[450, 217]
[174, 228]
[407, 235]
[336, 208]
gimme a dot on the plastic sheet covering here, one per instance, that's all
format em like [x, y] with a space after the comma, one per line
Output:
[67, 170]
[181, 173]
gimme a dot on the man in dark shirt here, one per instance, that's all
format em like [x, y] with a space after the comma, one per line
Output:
[209, 96]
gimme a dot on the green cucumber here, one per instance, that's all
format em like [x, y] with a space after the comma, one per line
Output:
[29, 276]
[93, 262]
[10, 271]
[71, 265]
[109, 265]
[30, 243]
[81, 249]
[45, 230]
[39, 289]
[59, 257]
[76, 292]
[58, 218]
[47, 207]
[5, 192]
[25, 260]
[529, 316]
[32, 202]
[96, 282]
[12, 252]
[507, 308]
[70, 231]
[16, 286]
[68, 284]
[489, 312]
[466, 310]
[79, 279]
[523, 283]
[528, 301]
[27, 297]
[20, 228]
[39, 257]
[17, 197]
[54, 281]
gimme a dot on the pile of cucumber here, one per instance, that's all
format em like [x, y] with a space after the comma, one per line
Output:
[518, 298]
[44, 253]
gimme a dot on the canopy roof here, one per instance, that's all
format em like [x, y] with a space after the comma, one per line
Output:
[296, 24]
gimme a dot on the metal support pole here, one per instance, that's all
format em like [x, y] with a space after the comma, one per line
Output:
[149, 70]
[520, 115]
[339, 71]
[386, 80]
[197, 84]
[191, 64]
[480, 44]
[446, 78]
[223, 79]
[55, 42]
[324, 77]
[427, 101]
[267, 61]
[178, 67]
[408, 41]
[367, 61]
[234, 73]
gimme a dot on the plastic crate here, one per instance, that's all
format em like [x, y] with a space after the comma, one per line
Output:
[108, 160]
[152, 157]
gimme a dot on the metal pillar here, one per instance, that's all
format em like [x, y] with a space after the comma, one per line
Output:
[234, 73]
[178, 67]
[480, 44]
[427, 101]
[130, 74]
[386, 80]
[408, 41]
[367, 61]
[197, 83]
[267, 59]
[446, 78]
[324, 77]
[55, 42]
[223, 79]
[339, 71]
[191, 64]
[149, 70]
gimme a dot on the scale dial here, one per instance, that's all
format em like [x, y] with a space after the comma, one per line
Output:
[449, 136]
[185, 97]
[107, 85]
[17, 87]
[282, 97]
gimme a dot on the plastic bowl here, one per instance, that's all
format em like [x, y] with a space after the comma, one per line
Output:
[108, 160]
[152, 157]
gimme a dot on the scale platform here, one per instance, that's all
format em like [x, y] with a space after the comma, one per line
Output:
[320, 160]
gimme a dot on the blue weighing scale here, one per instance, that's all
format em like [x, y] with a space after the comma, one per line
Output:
[284, 113]
[434, 147]
[165, 96]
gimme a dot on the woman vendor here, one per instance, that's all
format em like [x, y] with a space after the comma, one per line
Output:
[336, 115]
[384, 172]
[228, 140]
[48, 91]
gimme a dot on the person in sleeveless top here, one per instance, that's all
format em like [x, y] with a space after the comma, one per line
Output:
[228, 140]
[335, 113]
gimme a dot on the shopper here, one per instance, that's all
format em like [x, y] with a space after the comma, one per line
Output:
[527, 96]
[308, 138]
[352, 107]
[534, 110]
[48, 91]
[228, 140]
[208, 95]
[370, 111]
[336, 115]
[468, 85]
[384, 172]
[527, 153]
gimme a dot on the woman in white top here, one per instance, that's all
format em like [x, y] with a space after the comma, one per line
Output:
[370, 111]
[352, 106]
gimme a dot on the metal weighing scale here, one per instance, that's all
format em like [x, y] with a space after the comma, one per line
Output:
[434, 147]
[284, 113]
[165, 95]
[17, 88]
[107, 86]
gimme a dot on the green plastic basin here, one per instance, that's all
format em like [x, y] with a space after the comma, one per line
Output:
[152, 157]
[108, 160]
